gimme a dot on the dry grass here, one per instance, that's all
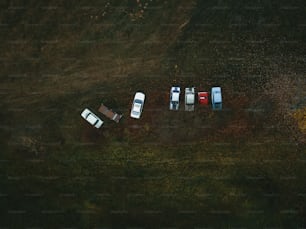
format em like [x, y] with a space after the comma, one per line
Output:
[300, 116]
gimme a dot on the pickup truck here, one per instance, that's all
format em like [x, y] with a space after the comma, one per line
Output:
[109, 113]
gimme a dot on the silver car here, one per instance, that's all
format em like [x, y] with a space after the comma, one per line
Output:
[189, 98]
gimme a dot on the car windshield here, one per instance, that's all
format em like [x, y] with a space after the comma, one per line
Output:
[135, 113]
[138, 101]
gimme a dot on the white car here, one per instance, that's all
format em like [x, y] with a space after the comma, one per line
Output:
[174, 98]
[137, 106]
[91, 118]
[216, 98]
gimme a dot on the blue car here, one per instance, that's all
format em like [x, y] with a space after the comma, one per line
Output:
[216, 98]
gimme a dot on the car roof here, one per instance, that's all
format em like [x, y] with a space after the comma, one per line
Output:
[137, 107]
[175, 96]
[91, 119]
[217, 97]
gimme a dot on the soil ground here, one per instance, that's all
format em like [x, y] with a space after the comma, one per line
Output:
[242, 167]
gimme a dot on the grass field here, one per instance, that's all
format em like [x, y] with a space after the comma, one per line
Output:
[242, 167]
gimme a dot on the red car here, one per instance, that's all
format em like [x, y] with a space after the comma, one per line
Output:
[203, 98]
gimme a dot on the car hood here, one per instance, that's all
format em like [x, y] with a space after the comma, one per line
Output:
[140, 96]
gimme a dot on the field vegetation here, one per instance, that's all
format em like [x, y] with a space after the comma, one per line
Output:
[242, 167]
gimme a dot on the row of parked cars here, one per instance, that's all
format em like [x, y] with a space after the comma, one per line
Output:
[203, 98]
[139, 99]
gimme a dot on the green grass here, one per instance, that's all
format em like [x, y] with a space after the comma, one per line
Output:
[205, 183]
